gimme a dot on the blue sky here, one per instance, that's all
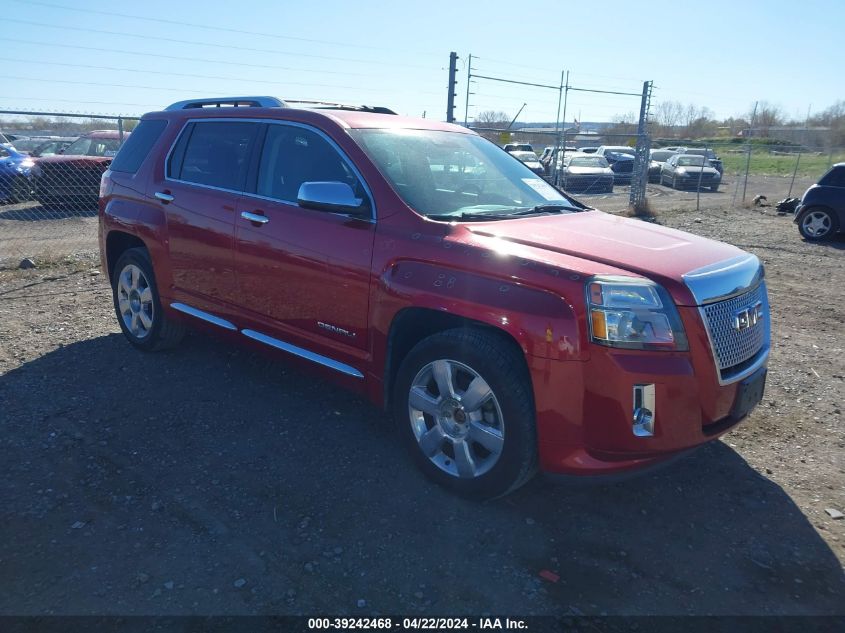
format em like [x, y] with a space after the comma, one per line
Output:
[104, 57]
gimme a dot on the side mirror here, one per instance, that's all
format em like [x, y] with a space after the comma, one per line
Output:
[330, 196]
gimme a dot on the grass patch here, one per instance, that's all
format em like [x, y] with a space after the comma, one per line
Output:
[764, 163]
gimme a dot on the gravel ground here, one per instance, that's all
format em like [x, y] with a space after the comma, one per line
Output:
[211, 480]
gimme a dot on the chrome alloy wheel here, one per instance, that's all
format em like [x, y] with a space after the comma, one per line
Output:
[456, 419]
[135, 301]
[816, 224]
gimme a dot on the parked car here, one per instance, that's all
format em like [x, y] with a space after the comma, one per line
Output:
[553, 158]
[621, 160]
[682, 171]
[531, 161]
[72, 178]
[715, 161]
[821, 213]
[587, 173]
[507, 328]
[518, 147]
[656, 158]
[14, 175]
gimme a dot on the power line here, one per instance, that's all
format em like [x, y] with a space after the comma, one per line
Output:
[190, 59]
[207, 26]
[224, 46]
[195, 76]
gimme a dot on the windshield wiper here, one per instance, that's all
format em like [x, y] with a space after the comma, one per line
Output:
[480, 216]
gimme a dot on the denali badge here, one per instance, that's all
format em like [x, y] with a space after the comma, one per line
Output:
[335, 329]
[749, 317]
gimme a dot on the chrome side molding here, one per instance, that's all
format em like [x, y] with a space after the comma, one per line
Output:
[300, 352]
[205, 316]
[325, 361]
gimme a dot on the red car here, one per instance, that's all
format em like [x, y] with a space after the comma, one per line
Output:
[72, 178]
[508, 327]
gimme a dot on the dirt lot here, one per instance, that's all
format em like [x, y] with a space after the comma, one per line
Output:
[210, 480]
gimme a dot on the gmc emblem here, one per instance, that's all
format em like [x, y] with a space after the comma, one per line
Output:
[748, 318]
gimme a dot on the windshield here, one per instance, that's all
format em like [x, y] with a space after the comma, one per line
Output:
[93, 147]
[525, 156]
[621, 150]
[588, 161]
[661, 155]
[700, 152]
[449, 173]
[690, 161]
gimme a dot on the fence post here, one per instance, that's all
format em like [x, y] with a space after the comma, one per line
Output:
[120, 128]
[747, 168]
[794, 172]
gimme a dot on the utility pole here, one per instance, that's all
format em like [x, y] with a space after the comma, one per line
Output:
[469, 78]
[640, 175]
[450, 99]
[510, 125]
[748, 152]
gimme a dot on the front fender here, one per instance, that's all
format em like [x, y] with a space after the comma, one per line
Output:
[542, 322]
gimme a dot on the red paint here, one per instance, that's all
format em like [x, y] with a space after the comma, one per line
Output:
[525, 277]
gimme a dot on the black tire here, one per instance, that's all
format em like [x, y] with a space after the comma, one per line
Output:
[503, 368]
[163, 333]
[714, 188]
[20, 190]
[818, 212]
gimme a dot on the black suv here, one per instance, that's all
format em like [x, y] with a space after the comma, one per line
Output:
[821, 213]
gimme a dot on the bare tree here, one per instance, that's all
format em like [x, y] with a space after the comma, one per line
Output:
[768, 116]
[492, 118]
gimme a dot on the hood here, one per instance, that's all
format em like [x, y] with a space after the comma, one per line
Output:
[70, 158]
[650, 250]
[589, 171]
[695, 170]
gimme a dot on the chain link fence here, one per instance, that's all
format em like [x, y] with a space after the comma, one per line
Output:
[50, 169]
[51, 164]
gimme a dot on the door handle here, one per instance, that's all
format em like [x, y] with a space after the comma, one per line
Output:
[164, 196]
[254, 217]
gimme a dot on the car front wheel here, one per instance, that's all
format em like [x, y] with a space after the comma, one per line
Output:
[137, 304]
[816, 224]
[463, 404]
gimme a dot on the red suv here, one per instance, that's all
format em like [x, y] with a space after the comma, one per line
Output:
[507, 326]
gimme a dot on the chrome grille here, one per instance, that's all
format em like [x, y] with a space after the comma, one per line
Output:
[734, 347]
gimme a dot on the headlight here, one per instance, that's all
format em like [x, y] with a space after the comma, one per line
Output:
[633, 314]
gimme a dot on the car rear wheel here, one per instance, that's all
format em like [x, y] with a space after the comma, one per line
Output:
[137, 304]
[816, 224]
[462, 401]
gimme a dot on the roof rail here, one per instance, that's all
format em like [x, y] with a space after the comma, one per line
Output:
[328, 105]
[235, 102]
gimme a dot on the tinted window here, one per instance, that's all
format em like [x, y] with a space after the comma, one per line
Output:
[217, 154]
[293, 155]
[834, 178]
[138, 145]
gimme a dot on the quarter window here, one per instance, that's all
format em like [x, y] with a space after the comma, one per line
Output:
[293, 155]
[215, 154]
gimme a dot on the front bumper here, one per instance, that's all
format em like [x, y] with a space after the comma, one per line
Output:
[587, 421]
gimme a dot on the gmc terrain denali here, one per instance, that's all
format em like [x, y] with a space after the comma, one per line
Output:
[506, 326]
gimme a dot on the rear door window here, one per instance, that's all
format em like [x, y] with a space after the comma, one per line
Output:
[216, 154]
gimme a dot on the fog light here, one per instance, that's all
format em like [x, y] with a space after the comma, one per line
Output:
[643, 415]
